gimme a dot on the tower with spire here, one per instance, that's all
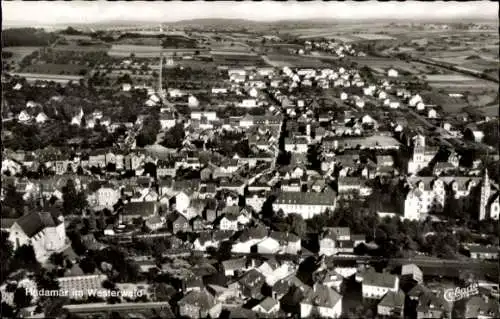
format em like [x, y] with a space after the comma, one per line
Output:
[485, 195]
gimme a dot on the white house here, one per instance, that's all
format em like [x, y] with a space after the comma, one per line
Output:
[296, 145]
[248, 103]
[432, 114]
[267, 307]
[392, 73]
[268, 246]
[42, 230]
[106, 196]
[414, 100]
[322, 299]
[375, 285]
[307, 205]
[193, 101]
[228, 222]
[394, 105]
[24, 117]
[41, 118]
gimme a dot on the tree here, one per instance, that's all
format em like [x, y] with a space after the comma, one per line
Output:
[13, 203]
[92, 220]
[73, 201]
[21, 298]
[297, 224]
[24, 258]
[88, 265]
[57, 259]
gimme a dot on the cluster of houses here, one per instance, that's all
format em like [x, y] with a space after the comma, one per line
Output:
[148, 189]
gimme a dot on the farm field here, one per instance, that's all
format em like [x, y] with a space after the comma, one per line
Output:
[282, 60]
[229, 46]
[373, 36]
[491, 110]
[380, 64]
[449, 78]
[18, 53]
[52, 68]
[81, 48]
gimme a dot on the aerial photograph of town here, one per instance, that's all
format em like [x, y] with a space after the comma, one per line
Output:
[250, 160]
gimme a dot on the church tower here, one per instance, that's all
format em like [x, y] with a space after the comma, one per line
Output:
[485, 195]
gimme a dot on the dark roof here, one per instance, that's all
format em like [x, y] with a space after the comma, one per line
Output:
[378, 279]
[393, 299]
[202, 299]
[35, 222]
[284, 236]
[322, 296]
[268, 303]
[252, 278]
[302, 198]
[139, 208]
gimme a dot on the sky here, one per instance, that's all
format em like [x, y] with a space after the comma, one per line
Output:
[77, 12]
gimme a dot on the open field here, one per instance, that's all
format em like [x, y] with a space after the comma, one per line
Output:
[229, 46]
[82, 48]
[18, 53]
[381, 64]
[32, 77]
[491, 111]
[281, 60]
[52, 68]
[328, 35]
[373, 36]
[447, 103]
[449, 78]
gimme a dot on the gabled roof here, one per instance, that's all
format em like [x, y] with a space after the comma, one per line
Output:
[202, 299]
[233, 264]
[393, 299]
[302, 198]
[35, 222]
[268, 303]
[378, 279]
[322, 296]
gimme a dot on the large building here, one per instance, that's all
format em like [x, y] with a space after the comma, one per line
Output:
[307, 205]
[42, 230]
[422, 155]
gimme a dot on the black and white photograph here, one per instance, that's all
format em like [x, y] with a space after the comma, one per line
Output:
[240, 159]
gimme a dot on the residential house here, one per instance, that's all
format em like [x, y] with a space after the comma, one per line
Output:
[248, 239]
[267, 307]
[289, 243]
[413, 272]
[250, 284]
[231, 267]
[199, 304]
[296, 145]
[483, 252]
[427, 303]
[134, 210]
[375, 284]
[392, 304]
[268, 246]
[323, 301]
[177, 222]
[229, 222]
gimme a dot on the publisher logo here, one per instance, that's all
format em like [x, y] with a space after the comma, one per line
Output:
[458, 293]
